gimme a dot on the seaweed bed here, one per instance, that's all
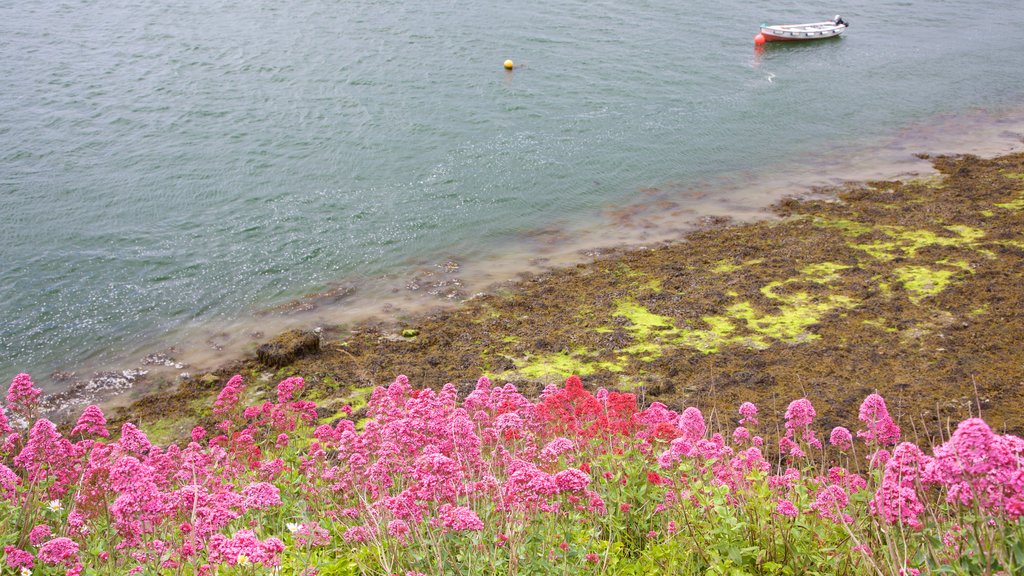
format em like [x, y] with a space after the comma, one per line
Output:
[912, 289]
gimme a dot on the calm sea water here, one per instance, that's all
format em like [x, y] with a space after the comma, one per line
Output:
[169, 170]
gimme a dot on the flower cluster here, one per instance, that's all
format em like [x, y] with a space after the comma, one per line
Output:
[496, 473]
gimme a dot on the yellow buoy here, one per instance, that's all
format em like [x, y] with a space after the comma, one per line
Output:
[509, 65]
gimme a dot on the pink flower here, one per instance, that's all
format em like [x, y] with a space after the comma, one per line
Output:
[879, 458]
[17, 558]
[5, 424]
[740, 435]
[38, 534]
[23, 396]
[8, 483]
[786, 508]
[881, 428]
[572, 480]
[245, 547]
[556, 448]
[134, 440]
[229, 395]
[59, 550]
[459, 518]
[841, 438]
[830, 502]
[799, 416]
[978, 466]
[593, 558]
[261, 495]
[91, 422]
[282, 441]
[692, 424]
[509, 421]
[288, 388]
[198, 433]
[896, 498]
[749, 413]
[357, 534]
[398, 529]
[842, 477]
[46, 451]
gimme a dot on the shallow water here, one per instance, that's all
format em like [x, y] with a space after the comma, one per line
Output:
[172, 171]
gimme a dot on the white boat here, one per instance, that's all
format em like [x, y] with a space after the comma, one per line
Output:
[813, 31]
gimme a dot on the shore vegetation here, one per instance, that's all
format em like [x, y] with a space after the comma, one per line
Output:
[493, 482]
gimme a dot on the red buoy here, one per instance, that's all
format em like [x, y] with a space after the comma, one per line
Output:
[759, 39]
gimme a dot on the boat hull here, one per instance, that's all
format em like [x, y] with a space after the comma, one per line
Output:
[802, 32]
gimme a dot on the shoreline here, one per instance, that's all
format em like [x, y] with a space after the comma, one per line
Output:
[653, 220]
[881, 294]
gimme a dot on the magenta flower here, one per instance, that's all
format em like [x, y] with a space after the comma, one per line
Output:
[245, 548]
[896, 498]
[23, 396]
[692, 424]
[288, 388]
[357, 534]
[881, 428]
[572, 480]
[799, 416]
[786, 508]
[38, 534]
[91, 422]
[830, 502]
[134, 440]
[556, 448]
[261, 495]
[841, 438]
[459, 518]
[8, 483]
[59, 551]
[5, 424]
[46, 451]
[749, 413]
[229, 395]
[978, 465]
[398, 529]
[17, 558]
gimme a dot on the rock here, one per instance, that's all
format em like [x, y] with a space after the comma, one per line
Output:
[287, 348]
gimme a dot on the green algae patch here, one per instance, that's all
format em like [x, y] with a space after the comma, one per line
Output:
[847, 227]
[823, 272]
[921, 281]
[564, 364]
[710, 340]
[643, 322]
[727, 265]
[902, 241]
[907, 242]
[880, 324]
[644, 351]
[793, 322]
[1015, 204]
[359, 397]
